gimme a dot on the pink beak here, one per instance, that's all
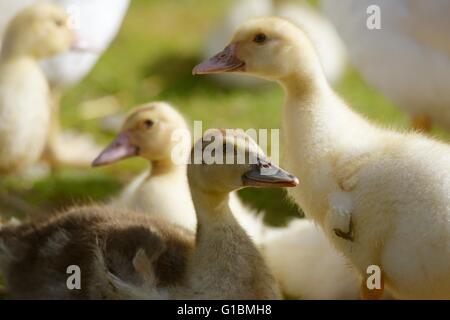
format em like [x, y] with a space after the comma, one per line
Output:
[120, 148]
[80, 45]
[225, 61]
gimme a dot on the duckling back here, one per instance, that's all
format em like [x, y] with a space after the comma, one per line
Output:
[104, 244]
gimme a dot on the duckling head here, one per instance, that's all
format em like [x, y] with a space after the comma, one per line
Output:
[39, 31]
[269, 47]
[227, 160]
[151, 131]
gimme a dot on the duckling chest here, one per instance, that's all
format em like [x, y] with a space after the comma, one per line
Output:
[166, 197]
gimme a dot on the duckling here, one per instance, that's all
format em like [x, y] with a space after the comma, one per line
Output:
[153, 131]
[407, 59]
[123, 254]
[37, 32]
[217, 227]
[328, 44]
[96, 28]
[380, 196]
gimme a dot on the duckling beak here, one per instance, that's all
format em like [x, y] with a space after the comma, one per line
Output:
[225, 61]
[81, 45]
[265, 174]
[120, 148]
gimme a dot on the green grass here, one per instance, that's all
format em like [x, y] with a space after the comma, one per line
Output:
[152, 59]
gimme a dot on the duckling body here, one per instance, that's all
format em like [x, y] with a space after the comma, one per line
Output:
[164, 195]
[302, 260]
[24, 113]
[398, 188]
[103, 243]
[380, 196]
[306, 264]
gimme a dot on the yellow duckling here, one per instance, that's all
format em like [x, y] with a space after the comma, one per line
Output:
[37, 32]
[382, 197]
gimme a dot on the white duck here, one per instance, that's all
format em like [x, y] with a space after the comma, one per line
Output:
[325, 38]
[408, 59]
[382, 197]
[130, 255]
[97, 23]
[37, 32]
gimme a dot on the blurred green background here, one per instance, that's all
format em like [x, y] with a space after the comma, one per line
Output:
[151, 59]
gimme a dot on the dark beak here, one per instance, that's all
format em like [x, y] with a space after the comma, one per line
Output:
[225, 61]
[266, 174]
[120, 148]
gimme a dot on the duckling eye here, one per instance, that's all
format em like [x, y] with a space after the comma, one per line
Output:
[59, 22]
[148, 123]
[260, 38]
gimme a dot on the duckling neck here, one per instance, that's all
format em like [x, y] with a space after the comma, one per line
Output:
[7, 56]
[305, 83]
[319, 130]
[225, 262]
[317, 117]
[165, 167]
[10, 50]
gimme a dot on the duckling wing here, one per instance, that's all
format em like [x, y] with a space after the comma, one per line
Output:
[341, 206]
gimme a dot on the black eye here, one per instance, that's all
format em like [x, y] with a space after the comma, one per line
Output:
[260, 38]
[148, 123]
[59, 22]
